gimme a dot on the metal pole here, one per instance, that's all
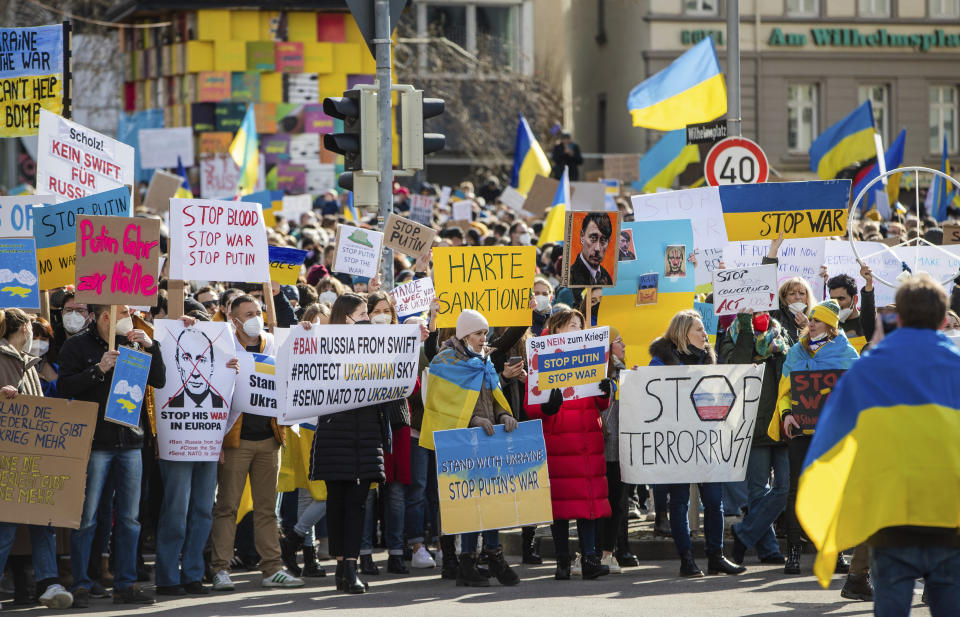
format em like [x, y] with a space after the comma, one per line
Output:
[382, 45]
[734, 119]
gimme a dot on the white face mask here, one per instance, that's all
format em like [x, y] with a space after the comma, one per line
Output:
[253, 326]
[328, 296]
[844, 313]
[124, 325]
[381, 318]
[818, 337]
[952, 332]
[73, 322]
[797, 307]
[524, 239]
[543, 303]
[27, 344]
[39, 348]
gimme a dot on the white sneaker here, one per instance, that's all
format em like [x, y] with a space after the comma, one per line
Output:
[575, 568]
[56, 597]
[222, 582]
[281, 578]
[611, 563]
[422, 559]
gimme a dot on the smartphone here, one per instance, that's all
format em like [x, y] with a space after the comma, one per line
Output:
[514, 360]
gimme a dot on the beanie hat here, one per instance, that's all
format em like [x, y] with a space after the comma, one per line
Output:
[470, 321]
[828, 312]
[614, 334]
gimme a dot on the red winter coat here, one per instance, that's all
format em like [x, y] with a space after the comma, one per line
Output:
[578, 470]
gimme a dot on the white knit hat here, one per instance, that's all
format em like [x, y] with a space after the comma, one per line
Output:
[470, 321]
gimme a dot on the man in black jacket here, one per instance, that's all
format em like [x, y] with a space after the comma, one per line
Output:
[566, 154]
[855, 322]
[587, 267]
[86, 371]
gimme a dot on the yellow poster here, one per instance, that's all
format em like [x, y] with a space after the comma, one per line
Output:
[493, 280]
[31, 77]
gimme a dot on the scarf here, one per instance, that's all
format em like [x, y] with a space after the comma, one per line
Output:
[766, 344]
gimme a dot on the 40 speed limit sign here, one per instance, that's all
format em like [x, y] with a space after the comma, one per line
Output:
[735, 160]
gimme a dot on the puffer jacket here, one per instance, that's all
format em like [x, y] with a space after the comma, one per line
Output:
[348, 446]
[19, 369]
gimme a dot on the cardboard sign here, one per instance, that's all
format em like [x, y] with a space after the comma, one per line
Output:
[31, 77]
[55, 230]
[575, 362]
[218, 241]
[163, 186]
[493, 482]
[117, 261]
[334, 368]
[285, 263]
[685, 424]
[421, 209]
[951, 233]
[74, 161]
[192, 409]
[494, 280]
[745, 288]
[16, 214]
[165, 147]
[43, 459]
[219, 177]
[128, 387]
[591, 249]
[409, 238]
[540, 196]
[809, 391]
[256, 390]
[414, 297]
[358, 251]
[19, 282]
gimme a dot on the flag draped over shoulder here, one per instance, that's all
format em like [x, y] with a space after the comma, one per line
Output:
[666, 160]
[894, 159]
[243, 151]
[553, 225]
[886, 451]
[845, 143]
[529, 161]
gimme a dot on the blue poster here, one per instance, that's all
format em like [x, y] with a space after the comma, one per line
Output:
[19, 284]
[709, 318]
[128, 387]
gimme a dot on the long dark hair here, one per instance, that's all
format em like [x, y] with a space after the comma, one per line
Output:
[381, 296]
[344, 306]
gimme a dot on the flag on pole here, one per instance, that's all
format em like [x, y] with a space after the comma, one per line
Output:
[529, 160]
[845, 143]
[244, 152]
[940, 187]
[183, 191]
[554, 224]
[894, 158]
[350, 212]
[665, 161]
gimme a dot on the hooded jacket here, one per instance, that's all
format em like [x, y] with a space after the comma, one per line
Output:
[19, 369]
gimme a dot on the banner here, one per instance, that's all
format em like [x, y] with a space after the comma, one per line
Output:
[219, 176]
[43, 459]
[19, 283]
[117, 263]
[74, 161]
[193, 407]
[408, 237]
[492, 482]
[735, 290]
[421, 208]
[358, 251]
[809, 391]
[128, 387]
[575, 362]
[494, 280]
[333, 368]
[16, 214]
[414, 297]
[166, 147]
[217, 241]
[55, 229]
[256, 390]
[31, 77]
[591, 249]
[285, 263]
[685, 424]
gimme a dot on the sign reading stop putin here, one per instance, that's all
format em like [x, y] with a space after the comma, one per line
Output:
[735, 160]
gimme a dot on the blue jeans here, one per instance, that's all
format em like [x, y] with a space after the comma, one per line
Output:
[711, 495]
[421, 464]
[43, 542]
[735, 496]
[393, 495]
[309, 513]
[586, 534]
[185, 520]
[894, 571]
[468, 541]
[127, 472]
[766, 502]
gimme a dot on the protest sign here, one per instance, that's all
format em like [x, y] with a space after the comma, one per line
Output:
[540, 196]
[512, 198]
[168, 147]
[494, 280]
[128, 387]
[801, 257]
[492, 482]
[192, 408]
[217, 241]
[421, 208]
[408, 237]
[256, 390]
[591, 249]
[358, 251]
[413, 297]
[16, 214]
[163, 186]
[295, 205]
[463, 210]
[707, 316]
[55, 230]
[74, 161]
[31, 77]
[333, 368]
[685, 424]
[809, 391]
[43, 459]
[19, 282]
[797, 209]
[117, 262]
[285, 263]
[219, 177]
[575, 362]
[738, 289]
[647, 288]
[587, 196]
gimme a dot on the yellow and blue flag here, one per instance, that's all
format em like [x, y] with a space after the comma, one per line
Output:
[183, 191]
[885, 452]
[244, 152]
[689, 91]
[940, 187]
[666, 160]
[845, 143]
[894, 158]
[529, 161]
[350, 211]
[553, 225]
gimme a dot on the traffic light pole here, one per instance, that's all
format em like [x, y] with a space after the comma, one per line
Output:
[734, 119]
[382, 45]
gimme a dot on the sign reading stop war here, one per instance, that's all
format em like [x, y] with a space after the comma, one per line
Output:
[117, 262]
[685, 424]
[575, 362]
[494, 280]
[745, 288]
[797, 209]
[808, 393]
[31, 77]
[44, 447]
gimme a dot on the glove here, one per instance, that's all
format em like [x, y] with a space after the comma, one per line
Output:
[552, 406]
[605, 387]
[509, 422]
[486, 425]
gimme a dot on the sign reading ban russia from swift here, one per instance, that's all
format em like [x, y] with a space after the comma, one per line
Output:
[798, 209]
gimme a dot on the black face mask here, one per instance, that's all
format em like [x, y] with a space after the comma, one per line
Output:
[362, 322]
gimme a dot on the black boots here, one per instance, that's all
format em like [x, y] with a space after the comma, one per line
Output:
[367, 566]
[661, 526]
[311, 567]
[718, 564]
[590, 568]
[500, 568]
[351, 582]
[450, 565]
[531, 546]
[739, 548]
[290, 543]
[467, 574]
[842, 566]
[793, 559]
[688, 567]
[563, 568]
[395, 565]
[858, 587]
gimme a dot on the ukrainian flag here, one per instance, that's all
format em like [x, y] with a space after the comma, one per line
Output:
[940, 187]
[845, 143]
[688, 91]
[894, 158]
[553, 226]
[665, 161]
[529, 161]
[264, 364]
[244, 152]
[183, 191]
[885, 452]
[350, 211]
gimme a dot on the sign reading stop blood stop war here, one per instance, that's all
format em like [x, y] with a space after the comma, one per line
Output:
[574, 362]
[735, 160]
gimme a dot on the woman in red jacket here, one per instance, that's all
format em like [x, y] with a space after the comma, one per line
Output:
[578, 471]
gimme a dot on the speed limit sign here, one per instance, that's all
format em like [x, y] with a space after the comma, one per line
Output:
[735, 160]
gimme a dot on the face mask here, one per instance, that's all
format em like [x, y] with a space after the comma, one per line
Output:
[382, 318]
[124, 325]
[952, 332]
[761, 322]
[73, 322]
[362, 322]
[328, 296]
[39, 348]
[524, 239]
[818, 337]
[797, 307]
[27, 344]
[253, 326]
[844, 313]
[543, 303]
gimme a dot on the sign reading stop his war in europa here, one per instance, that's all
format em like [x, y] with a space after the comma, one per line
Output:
[117, 262]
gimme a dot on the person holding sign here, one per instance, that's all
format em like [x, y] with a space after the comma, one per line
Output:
[685, 342]
[823, 346]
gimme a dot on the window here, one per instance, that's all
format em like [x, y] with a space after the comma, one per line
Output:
[879, 97]
[873, 8]
[449, 22]
[492, 31]
[943, 118]
[497, 34]
[801, 116]
[803, 8]
[944, 9]
[700, 7]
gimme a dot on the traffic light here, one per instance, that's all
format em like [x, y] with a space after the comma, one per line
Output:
[360, 142]
[414, 143]
[365, 188]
